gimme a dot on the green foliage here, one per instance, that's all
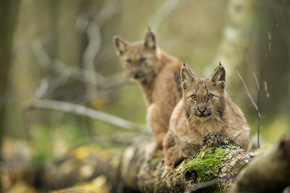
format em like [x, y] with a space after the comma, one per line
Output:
[129, 99]
[49, 144]
[156, 160]
[42, 143]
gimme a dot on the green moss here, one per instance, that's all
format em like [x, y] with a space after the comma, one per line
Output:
[206, 166]
[156, 160]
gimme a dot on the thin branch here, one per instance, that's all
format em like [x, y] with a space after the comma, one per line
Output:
[97, 84]
[256, 79]
[60, 67]
[85, 111]
[66, 71]
[247, 91]
[276, 24]
[266, 89]
[162, 178]
[256, 107]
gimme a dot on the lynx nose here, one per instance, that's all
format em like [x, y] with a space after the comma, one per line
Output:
[202, 109]
[137, 75]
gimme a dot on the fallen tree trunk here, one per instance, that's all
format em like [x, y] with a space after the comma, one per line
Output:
[270, 172]
[219, 159]
[109, 170]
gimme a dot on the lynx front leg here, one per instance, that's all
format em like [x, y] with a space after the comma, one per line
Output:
[159, 125]
[172, 151]
[242, 137]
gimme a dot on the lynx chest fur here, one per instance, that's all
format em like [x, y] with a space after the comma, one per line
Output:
[205, 108]
[159, 77]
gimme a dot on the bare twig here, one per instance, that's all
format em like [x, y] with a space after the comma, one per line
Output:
[256, 107]
[98, 85]
[266, 89]
[66, 71]
[247, 91]
[85, 111]
[162, 178]
[276, 24]
[256, 79]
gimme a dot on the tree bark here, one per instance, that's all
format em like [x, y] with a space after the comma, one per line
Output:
[133, 170]
[8, 15]
[270, 172]
[236, 37]
[219, 166]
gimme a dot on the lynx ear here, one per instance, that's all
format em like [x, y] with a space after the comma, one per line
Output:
[187, 77]
[120, 44]
[219, 76]
[150, 40]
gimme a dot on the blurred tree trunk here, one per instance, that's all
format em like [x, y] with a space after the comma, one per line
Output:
[236, 38]
[8, 17]
[277, 65]
[268, 172]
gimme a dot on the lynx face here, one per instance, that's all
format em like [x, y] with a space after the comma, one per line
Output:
[141, 60]
[203, 98]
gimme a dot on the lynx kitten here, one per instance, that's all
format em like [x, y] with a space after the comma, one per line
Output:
[159, 77]
[204, 108]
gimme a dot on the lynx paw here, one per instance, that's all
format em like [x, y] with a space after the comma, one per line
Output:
[173, 156]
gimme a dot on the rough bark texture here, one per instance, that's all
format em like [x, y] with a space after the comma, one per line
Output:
[219, 157]
[270, 172]
[211, 169]
[132, 170]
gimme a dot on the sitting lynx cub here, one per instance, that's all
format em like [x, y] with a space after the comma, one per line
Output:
[159, 77]
[205, 108]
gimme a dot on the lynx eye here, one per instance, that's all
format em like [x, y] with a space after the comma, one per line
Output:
[143, 59]
[129, 60]
[193, 97]
[210, 96]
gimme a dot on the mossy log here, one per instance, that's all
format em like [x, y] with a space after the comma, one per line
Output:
[131, 170]
[213, 168]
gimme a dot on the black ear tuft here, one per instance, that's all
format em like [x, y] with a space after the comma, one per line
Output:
[187, 77]
[120, 44]
[219, 76]
[150, 40]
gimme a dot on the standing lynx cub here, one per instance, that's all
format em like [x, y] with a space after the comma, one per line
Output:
[159, 77]
[205, 108]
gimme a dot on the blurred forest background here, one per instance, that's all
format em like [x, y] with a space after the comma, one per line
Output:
[63, 51]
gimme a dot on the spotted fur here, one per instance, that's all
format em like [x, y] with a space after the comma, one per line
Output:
[158, 74]
[204, 108]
